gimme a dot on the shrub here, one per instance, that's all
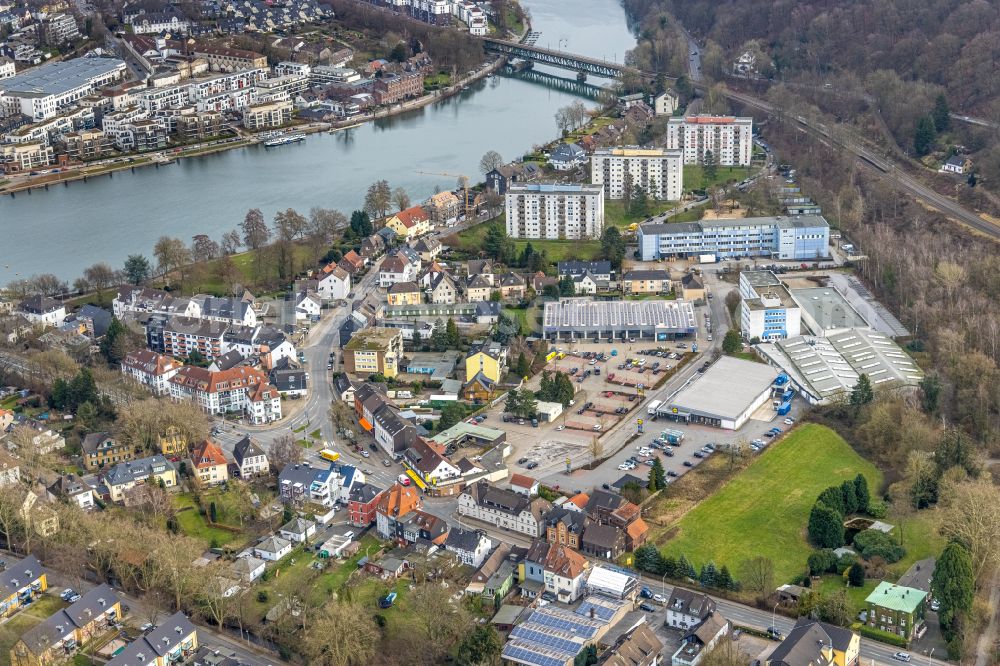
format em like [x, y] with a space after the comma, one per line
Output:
[878, 509]
[826, 527]
[262, 596]
[881, 636]
[871, 543]
[822, 561]
[856, 575]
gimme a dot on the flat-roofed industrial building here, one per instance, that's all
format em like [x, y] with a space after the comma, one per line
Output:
[618, 320]
[725, 396]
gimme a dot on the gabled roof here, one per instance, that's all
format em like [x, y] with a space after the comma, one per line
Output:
[522, 481]
[412, 216]
[566, 562]
[404, 288]
[463, 540]
[19, 574]
[398, 501]
[247, 448]
[802, 646]
[690, 603]
[602, 499]
[602, 536]
[638, 645]
[208, 454]
[364, 493]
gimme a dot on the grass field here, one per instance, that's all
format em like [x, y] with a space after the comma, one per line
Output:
[764, 510]
[470, 241]
[192, 523]
[25, 619]
[694, 176]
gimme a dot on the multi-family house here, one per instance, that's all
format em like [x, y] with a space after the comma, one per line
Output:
[422, 528]
[60, 634]
[172, 443]
[301, 483]
[124, 476]
[410, 223]
[687, 609]
[897, 609]
[565, 573]
[100, 449]
[362, 504]
[639, 646]
[298, 530]
[646, 282]
[469, 546]
[813, 643]
[512, 286]
[604, 541]
[374, 350]
[699, 641]
[488, 359]
[394, 509]
[171, 641]
[150, 369]
[503, 508]
[42, 310]
[396, 268]
[441, 288]
[404, 293]
[250, 459]
[600, 271]
[565, 526]
[38, 515]
[209, 463]
[71, 488]
[725, 140]
[21, 582]
[240, 389]
[183, 336]
[428, 248]
[334, 283]
[392, 432]
[478, 288]
[429, 464]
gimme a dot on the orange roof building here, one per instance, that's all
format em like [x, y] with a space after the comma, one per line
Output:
[210, 464]
[394, 509]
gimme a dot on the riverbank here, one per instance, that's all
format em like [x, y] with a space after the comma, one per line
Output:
[85, 172]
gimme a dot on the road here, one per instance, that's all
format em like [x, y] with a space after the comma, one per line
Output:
[975, 121]
[886, 167]
[694, 56]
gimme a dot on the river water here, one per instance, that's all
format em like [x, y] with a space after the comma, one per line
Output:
[66, 228]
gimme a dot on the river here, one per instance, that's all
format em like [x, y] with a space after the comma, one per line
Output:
[66, 228]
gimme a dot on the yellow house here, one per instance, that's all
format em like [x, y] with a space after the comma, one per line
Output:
[489, 360]
[410, 223]
[41, 518]
[404, 293]
[814, 643]
[210, 464]
[90, 617]
[20, 583]
[692, 288]
[172, 443]
[479, 289]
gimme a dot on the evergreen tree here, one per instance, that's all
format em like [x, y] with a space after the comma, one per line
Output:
[212, 512]
[418, 340]
[651, 482]
[850, 497]
[861, 492]
[481, 646]
[826, 528]
[657, 473]
[930, 392]
[566, 286]
[451, 414]
[862, 393]
[923, 136]
[137, 269]
[113, 345]
[833, 497]
[856, 575]
[497, 244]
[361, 224]
[546, 388]
[564, 390]
[953, 583]
[724, 581]
[439, 337]
[521, 367]
[685, 569]
[669, 566]
[709, 169]
[941, 114]
[709, 575]
[453, 336]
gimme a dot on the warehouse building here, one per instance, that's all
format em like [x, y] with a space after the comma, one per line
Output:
[826, 311]
[801, 238]
[618, 320]
[724, 396]
[823, 368]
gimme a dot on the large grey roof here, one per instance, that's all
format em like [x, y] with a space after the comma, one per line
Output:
[726, 389]
[137, 469]
[54, 78]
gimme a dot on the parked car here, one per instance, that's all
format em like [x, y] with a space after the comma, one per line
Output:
[688, 463]
[772, 632]
[789, 421]
[646, 593]
[671, 472]
[146, 627]
[699, 454]
[532, 465]
[659, 598]
[647, 608]
[521, 461]
[901, 656]
[365, 454]
[935, 605]
[386, 463]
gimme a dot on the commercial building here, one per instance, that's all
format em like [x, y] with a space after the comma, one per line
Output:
[801, 238]
[374, 350]
[821, 369]
[825, 311]
[724, 396]
[555, 211]
[659, 172]
[270, 114]
[41, 92]
[729, 139]
[618, 320]
[767, 311]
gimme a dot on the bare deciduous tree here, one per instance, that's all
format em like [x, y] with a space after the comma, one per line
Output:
[284, 451]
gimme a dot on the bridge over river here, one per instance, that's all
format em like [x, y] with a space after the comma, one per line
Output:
[563, 59]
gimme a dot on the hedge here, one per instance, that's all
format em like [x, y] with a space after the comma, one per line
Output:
[882, 636]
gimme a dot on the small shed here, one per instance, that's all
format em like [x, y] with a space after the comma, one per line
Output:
[548, 411]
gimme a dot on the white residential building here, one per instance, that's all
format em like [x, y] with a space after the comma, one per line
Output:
[659, 172]
[151, 369]
[470, 546]
[6, 68]
[240, 389]
[730, 139]
[42, 310]
[555, 211]
[41, 92]
[272, 549]
[250, 458]
[503, 508]
[334, 283]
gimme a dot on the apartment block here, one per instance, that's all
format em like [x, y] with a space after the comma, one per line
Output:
[555, 211]
[240, 389]
[374, 350]
[730, 139]
[659, 172]
[270, 114]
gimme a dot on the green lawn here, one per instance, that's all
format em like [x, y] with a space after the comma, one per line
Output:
[25, 619]
[694, 175]
[524, 316]
[193, 524]
[470, 241]
[764, 510]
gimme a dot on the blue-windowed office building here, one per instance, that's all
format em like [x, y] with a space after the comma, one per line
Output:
[795, 238]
